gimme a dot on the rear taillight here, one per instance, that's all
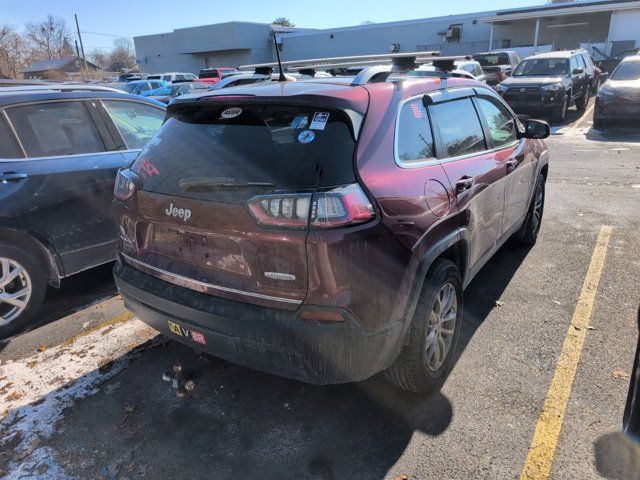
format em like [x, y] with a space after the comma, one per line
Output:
[500, 76]
[126, 185]
[339, 206]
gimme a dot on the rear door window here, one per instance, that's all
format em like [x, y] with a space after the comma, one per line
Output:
[8, 146]
[414, 140]
[459, 128]
[136, 122]
[208, 151]
[54, 129]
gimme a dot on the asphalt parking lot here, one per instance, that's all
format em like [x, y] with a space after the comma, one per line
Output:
[82, 395]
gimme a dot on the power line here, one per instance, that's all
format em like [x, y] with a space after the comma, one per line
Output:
[104, 34]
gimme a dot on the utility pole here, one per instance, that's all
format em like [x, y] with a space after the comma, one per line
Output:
[84, 59]
[81, 69]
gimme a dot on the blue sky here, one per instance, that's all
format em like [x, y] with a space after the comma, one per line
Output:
[128, 18]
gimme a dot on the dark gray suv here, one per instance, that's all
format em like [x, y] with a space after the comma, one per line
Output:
[60, 149]
[549, 83]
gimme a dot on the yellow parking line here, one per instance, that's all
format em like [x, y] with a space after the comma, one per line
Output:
[545, 439]
[581, 120]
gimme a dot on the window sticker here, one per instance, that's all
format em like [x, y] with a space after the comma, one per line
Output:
[299, 121]
[146, 169]
[231, 112]
[319, 121]
[306, 136]
[419, 110]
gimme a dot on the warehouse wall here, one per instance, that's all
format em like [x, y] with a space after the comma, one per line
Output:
[412, 35]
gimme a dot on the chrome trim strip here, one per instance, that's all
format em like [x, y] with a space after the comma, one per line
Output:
[187, 280]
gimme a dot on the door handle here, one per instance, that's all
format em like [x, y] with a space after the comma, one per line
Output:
[465, 183]
[512, 164]
[12, 177]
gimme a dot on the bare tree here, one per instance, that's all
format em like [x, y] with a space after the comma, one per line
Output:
[14, 52]
[123, 52]
[283, 22]
[50, 38]
[99, 58]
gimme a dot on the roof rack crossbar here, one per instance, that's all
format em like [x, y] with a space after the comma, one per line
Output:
[377, 58]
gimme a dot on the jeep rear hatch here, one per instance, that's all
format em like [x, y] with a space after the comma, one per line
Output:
[227, 196]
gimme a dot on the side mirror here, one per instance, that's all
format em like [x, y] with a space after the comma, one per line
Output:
[536, 129]
[578, 71]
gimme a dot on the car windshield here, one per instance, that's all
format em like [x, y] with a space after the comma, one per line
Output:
[492, 59]
[627, 71]
[547, 67]
[168, 90]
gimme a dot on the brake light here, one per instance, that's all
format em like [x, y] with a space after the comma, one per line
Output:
[500, 76]
[127, 182]
[339, 206]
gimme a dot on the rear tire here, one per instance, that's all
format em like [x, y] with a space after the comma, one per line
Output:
[426, 359]
[528, 234]
[23, 284]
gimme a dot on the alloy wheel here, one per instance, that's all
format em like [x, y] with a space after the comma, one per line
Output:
[538, 202]
[442, 325]
[15, 290]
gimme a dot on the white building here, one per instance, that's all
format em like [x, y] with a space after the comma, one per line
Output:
[611, 25]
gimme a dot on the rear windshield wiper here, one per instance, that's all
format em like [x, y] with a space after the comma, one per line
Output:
[200, 184]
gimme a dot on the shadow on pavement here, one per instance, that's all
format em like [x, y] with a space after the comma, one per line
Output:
[240, 423]
[627, 132]
[617, 456]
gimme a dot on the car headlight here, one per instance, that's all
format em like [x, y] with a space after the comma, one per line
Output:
[500, 88]
[552, 88]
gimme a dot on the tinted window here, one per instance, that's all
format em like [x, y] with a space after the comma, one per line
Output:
[414, 140]
[167, 78]
[581, 63]
[501, 124]
[52, 129]
[136, 122]
[272, 145]
[627, 71]
[459, 127]
[208, 74]
[492, 59]
[8, 145]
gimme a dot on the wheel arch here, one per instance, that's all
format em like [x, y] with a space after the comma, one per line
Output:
[38, 246]
[454, 247]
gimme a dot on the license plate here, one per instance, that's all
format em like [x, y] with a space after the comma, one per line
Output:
[190, 333]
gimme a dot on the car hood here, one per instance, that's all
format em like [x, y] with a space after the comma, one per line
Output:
[535, 81]
[629, 89]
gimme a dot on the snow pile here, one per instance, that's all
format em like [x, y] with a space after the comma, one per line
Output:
[34, 391]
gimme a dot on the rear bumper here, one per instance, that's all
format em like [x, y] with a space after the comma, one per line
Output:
[267, 339]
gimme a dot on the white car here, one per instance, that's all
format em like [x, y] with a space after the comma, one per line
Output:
[467, 68]
[171, 77]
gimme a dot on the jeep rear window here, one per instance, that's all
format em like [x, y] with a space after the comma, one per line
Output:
[275, 146]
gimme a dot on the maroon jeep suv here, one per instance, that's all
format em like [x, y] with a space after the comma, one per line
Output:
[323, 230]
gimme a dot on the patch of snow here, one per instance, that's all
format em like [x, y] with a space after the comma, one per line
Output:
[34, 391]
